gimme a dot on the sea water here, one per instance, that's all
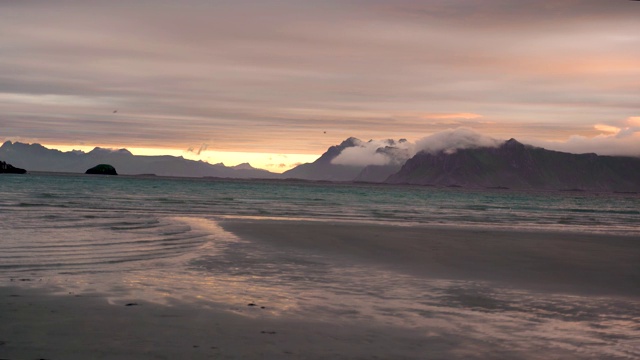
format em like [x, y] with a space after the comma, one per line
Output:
[159, 239]
[74, 197]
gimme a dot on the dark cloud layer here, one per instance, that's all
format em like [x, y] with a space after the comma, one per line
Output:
[275, 75]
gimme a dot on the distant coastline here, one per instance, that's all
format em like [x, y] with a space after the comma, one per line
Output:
[507, 165]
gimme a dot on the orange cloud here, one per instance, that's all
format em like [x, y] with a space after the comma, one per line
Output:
[606, 128]
[452, 116]
[633, 121]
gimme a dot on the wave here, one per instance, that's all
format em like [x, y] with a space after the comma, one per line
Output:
[98, 244]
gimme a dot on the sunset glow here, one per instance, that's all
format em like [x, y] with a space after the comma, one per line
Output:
[277, 163]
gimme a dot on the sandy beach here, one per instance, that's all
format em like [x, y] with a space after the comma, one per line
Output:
[487, 294]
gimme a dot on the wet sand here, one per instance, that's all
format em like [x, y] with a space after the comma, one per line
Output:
[563, 262]
[591, 282]
[38, 325]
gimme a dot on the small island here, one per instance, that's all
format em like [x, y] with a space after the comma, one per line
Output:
[102, 169]
[10, 169]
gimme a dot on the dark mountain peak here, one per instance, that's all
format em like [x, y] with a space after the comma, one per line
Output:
[391, 142]
[243, 166]
[335, 150]
[323, 169]
[350, 142]
[18, 146]
[103, 151]
[513, 143]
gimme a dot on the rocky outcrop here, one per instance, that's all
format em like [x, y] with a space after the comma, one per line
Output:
[102, 169]
[10, 169]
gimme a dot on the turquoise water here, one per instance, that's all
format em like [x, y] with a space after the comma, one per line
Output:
[69, 195]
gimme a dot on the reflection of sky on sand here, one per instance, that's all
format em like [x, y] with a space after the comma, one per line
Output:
[227, 272]
[297, 284]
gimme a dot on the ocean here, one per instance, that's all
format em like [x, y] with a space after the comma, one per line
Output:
[160, 239]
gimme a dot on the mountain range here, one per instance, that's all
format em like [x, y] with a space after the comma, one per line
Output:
[510, 164]
[38, 158]
[325, 167]
[518, 166]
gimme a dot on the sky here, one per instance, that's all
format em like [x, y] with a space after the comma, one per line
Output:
[276, 82]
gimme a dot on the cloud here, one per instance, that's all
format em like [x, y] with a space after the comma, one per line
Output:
[613, 140]
[607, 128]
[488, 15]
[454, 116]
[202, 148]
[375, 152]
[634, 121]
[454, 139]
[628, 145]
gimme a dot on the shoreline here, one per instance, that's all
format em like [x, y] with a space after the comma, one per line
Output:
[548, 229]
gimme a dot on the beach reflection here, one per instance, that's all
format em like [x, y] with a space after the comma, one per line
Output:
[229, 273]
[233, 272]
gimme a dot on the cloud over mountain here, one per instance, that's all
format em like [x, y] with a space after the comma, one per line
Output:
[622, 139]
[391, 152]
[375, 152]
[455, 139]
